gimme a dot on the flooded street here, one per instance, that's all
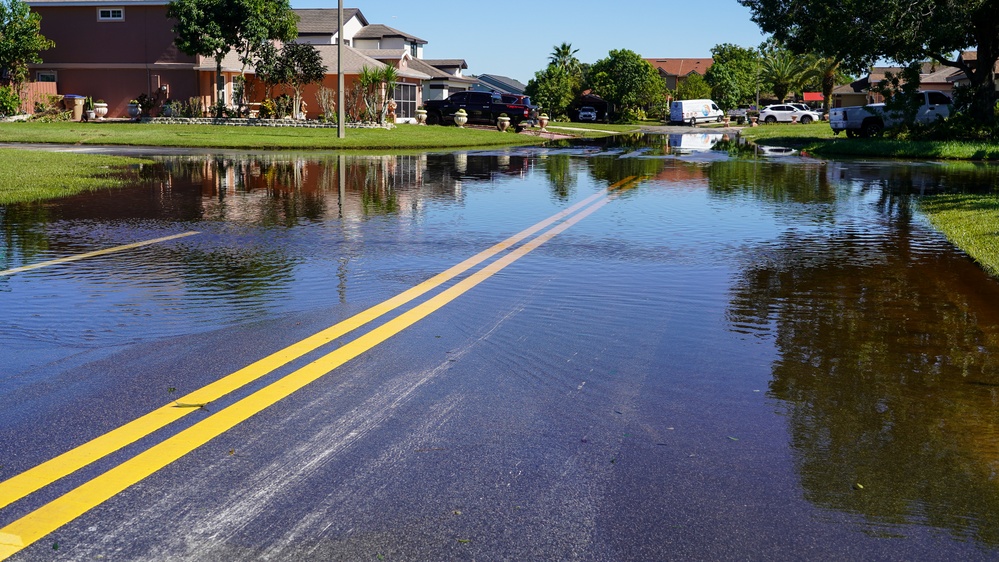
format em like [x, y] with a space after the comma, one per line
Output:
[660, 347]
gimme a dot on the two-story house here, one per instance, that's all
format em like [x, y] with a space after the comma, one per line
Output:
[113, 51]
[117, 50]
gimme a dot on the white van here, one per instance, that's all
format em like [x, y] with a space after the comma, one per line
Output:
[692, 111]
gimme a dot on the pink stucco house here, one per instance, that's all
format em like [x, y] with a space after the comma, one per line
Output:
[117, 50]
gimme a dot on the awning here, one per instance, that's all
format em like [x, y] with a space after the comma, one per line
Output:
[813, 96]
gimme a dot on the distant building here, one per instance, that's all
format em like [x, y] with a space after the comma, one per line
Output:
[500, 84]
[675, 71]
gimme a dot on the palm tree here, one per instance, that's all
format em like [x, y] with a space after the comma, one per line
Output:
[564, 57]
[827, 70]
[784, 71]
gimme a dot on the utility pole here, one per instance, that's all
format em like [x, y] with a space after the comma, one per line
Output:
[341, 129]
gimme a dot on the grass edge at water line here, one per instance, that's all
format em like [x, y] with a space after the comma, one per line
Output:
[27, 175]
[970, 222]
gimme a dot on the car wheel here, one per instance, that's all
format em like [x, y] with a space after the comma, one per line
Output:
[806, 119]
[851, 134]
[693, 121]
[433, 118]
[770, 120]
[871, 129]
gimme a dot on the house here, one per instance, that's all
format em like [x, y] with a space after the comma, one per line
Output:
[321, 26]
[859, 92]
[118, 50]
[675, 71]
[114, 51]
[500, 84]
[970, 58]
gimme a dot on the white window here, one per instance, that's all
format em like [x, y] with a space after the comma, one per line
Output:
[110, 14]
[46, 76]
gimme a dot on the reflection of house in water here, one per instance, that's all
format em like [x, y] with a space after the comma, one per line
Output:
[281, 189]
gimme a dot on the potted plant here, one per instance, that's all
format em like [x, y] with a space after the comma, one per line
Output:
[134, 110]
[88, 109]
[543, 120]
[167, 110]
[100, 109]
[502, 122]
[460, 118]
[421, 115]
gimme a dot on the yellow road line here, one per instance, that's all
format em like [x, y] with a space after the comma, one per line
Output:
[46, 519]
[58, 467]
[103, 252]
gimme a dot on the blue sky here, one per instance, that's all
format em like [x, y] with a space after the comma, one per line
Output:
[515, 38]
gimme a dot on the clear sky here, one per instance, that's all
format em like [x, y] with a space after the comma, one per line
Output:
[514, 38]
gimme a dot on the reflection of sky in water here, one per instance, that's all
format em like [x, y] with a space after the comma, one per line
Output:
[816, 282]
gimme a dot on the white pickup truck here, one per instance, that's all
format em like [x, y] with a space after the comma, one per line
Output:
[870, 120]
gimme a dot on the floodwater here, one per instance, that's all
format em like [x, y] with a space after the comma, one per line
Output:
[793, 327]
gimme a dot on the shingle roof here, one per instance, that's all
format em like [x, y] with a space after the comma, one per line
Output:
[503, 83]
[681, 67]
[377, 31]
[324, 20]
[460, 63]
[430, 70]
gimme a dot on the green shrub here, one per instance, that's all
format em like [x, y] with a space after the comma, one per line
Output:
[631, 115]
[10, 104]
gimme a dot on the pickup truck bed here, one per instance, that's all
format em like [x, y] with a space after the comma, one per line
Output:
[870, 120]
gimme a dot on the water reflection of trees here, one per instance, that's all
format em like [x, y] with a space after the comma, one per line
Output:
[888, 362]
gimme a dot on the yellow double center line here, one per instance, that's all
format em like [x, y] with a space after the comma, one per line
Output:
[35, 525]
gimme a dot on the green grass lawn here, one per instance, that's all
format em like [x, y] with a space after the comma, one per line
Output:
[29, 175]
[817, 139]
[403, 137]
[971, 222]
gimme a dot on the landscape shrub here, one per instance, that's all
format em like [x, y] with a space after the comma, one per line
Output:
[10, 104]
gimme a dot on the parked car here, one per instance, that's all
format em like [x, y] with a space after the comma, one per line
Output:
[587, 113]
[692, 111]
[786, 113]
[483, 108]
[870, 120]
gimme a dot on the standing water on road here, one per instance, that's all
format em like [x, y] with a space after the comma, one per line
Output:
[736, 356]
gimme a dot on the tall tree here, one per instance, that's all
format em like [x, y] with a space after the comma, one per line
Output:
[21, 42]
[626, 80]
[734, 74]
[693, 87]
[213, 28]
[859, 32]
[552, 89]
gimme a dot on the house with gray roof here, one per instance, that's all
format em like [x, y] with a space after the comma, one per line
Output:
[500, 84]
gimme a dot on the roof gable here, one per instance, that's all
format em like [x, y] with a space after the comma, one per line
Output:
[379, 31]
[325, 20]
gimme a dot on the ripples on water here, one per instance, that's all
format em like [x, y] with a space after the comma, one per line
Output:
[883, 338]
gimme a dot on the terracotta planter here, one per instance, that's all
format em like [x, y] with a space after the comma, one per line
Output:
[794, 119]
[753, 119]
[543, 121]
[460, 119]
[502, 124]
